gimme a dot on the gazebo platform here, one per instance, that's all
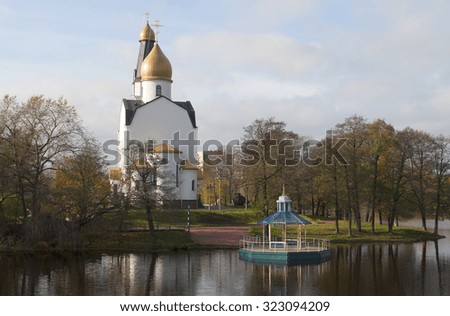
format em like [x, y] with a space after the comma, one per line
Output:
[284, 252]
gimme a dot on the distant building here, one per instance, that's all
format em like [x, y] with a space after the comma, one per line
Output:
[152, 118]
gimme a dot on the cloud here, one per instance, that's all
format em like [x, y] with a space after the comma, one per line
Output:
[5, 10]
[268, 53]
[309, 63]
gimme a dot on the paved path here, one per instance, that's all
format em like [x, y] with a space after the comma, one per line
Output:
[224, 236]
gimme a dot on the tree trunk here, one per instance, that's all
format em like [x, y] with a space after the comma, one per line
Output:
[349, 208]
[374, 194]
[151, 227]
[380, 216]
[438, 206]
[422, 202]
[336, 198]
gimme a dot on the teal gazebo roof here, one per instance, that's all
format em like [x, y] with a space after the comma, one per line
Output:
[284, 218]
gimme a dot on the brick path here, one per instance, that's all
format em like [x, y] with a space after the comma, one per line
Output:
[223, 236]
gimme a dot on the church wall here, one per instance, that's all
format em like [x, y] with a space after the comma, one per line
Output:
[149, 89]
[186, 191]
[137, 90]
[159, 120]
[121, 136]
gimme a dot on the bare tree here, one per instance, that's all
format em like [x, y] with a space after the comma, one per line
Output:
[152, 183]
[441, 167]
[37, 133]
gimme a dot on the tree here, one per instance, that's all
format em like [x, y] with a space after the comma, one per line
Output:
[151, 182]
[400, 154]
[81, 187]
[37, 133]
[270, 146]
[420, 170]
[354, 129]
[380, 137]
[441, 167]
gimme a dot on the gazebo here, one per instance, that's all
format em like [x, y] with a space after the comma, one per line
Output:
[283, 217]
[287, 249]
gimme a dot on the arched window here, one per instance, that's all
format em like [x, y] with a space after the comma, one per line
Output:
[158, 90]
[193, 185]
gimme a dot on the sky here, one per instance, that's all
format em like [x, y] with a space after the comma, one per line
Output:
[308, 63]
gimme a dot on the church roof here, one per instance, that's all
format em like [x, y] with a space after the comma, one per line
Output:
[187, 165]
[156, 66]
[132, 105]
[147, 34]
[165, 148]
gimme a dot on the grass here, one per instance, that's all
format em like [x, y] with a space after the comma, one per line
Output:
[135, 236]
[178, 218]
[326, 229]
[140, 241]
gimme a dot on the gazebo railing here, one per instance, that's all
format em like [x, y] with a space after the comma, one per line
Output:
[257, 243]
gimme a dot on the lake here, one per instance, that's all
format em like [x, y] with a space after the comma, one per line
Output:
[375, 269]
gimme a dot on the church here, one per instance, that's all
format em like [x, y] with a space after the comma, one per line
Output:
[152, 120]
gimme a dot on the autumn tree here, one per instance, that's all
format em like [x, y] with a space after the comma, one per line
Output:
[441, 166]
[36, 133]
[380, 137]
[354, 129]
[81, 187]
[267, 147]
[420, 172]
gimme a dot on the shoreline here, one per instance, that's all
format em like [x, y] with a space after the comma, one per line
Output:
[209, 238]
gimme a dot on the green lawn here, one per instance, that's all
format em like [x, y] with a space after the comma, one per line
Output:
[326, 229]
[171, 235]
[178, 218]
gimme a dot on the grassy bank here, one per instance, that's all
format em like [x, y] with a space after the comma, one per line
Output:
[172, 235]
[174, 240]
[136, 219]
[326, 229]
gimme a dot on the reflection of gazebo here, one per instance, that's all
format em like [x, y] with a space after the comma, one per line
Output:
[290, 247]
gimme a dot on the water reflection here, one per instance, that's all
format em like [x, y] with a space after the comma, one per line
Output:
[374, 269]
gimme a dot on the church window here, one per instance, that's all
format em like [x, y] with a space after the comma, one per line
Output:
[158, 90]
[193, 185]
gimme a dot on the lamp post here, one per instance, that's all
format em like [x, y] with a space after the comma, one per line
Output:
[209, 187]
[189, 222]
[220, 203]
[219, 178]
[246, 195]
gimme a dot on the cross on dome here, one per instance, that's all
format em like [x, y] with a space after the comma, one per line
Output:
[157, 25]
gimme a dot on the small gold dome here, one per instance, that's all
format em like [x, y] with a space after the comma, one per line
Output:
[147, 33]
[156, 66]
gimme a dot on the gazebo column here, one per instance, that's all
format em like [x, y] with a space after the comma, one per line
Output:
[270, 238]
[264, 237]
[299, 236]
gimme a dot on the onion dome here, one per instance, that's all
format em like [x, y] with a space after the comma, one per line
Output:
[156, 66]
[147, 33]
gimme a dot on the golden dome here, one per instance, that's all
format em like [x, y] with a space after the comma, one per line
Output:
[156, 66]
[147, 33]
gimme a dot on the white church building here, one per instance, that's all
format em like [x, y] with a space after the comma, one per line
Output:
[150, 116]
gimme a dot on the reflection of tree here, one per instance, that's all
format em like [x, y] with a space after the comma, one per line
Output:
[438, 263]
[423, 268]
[393, 255]
[151, 275]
